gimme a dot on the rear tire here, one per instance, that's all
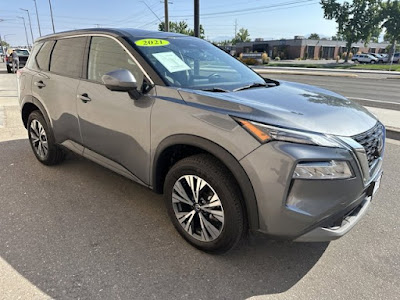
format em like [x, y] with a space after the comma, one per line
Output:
[204, 203]
[9, 69]
[42, 140]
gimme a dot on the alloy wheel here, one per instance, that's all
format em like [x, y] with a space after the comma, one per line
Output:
[198, 208]
[38, 139]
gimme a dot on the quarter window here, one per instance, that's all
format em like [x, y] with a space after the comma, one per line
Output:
[67, 56]
[31, 64]
[43, 57]
[107, 55]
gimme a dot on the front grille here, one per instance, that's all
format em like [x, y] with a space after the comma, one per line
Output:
[372, 141]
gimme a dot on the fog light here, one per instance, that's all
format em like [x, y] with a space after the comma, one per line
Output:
[323, 170]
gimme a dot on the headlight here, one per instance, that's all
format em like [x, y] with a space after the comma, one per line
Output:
[333, 169]
[266, 133]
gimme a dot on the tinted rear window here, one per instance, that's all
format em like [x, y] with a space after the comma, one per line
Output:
[43, 57]
[67, 56]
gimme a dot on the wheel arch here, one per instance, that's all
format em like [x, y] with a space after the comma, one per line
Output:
[164, 160]
[28, 105]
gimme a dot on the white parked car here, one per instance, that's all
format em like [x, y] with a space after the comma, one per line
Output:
[365, 58]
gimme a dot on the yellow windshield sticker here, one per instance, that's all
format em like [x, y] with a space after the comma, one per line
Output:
[151, 43]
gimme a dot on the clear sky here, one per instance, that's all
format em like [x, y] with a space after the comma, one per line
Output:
[269, 19]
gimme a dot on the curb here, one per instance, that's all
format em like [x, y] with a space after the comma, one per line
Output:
[360, 71]
[393, 133]
[309, 73]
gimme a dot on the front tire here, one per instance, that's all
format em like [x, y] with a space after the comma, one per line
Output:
[372, 62]
[42, 140]
[204, 203]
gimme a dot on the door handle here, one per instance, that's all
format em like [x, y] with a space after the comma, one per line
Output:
[40, 84]
[84, 97]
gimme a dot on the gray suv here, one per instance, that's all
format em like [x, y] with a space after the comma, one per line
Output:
[231, 151]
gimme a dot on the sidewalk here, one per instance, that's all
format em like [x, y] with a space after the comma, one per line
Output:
[389, 118]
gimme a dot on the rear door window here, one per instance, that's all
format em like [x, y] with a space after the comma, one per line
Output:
[67, 57]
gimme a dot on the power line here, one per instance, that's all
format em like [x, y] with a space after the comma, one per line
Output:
[249, 10]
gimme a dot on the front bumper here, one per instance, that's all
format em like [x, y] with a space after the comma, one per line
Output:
[319, 204]
[323, 234]
[343, 224]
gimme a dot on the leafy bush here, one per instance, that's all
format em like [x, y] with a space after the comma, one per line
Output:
[250, 61]
[277, 58]
[265, 58]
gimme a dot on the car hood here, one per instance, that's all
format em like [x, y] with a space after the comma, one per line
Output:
[291, 105]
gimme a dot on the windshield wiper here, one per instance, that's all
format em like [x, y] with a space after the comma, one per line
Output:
[216, 90]
[250, 86]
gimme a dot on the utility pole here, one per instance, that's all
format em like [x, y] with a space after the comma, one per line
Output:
[52, 19]
[196, 18]
[37, 16]
[391, 56]
[26, 33]
[236, 24]
[166, 19]
[1, 47]
[30, 24]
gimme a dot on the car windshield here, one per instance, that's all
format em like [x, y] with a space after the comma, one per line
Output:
[22, 52]
[196, 64]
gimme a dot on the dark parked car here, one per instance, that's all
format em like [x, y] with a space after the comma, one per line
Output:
[230, 150]
[396, 57]
[23, 55]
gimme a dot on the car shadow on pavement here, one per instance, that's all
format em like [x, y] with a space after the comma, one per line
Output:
[78, 230]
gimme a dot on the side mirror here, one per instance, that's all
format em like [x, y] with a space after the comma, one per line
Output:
[120, 80]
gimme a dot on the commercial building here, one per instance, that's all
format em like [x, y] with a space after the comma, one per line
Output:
[300, 47]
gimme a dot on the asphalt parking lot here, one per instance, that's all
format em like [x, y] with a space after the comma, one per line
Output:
[79, 231]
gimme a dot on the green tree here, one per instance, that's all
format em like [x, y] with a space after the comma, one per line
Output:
[356, 21]
[225, 43]
[314, 36]
[4, 44]
[242, 36]
[337, 37]
[390, 15]
[180, 27]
